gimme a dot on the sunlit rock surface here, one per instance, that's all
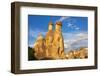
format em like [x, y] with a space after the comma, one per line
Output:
[52, 45]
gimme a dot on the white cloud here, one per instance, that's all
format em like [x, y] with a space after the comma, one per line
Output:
[72, 26]
[77, 28]
[34, 33]
[63, 18]
[69, 25]
[72, 40]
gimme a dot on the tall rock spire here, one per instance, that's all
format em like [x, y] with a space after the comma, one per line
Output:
[49, 39]
[50, 27]
[58, 43]
[58, 26]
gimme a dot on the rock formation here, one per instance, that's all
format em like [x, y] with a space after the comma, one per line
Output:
[39, 47]
[52, 46]
[82, 53]
[49, 40]
[58, 43]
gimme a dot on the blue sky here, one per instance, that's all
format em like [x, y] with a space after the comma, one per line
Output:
[74, 29]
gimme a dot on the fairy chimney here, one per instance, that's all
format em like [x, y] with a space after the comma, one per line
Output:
[39, 47]
[52, 46]
[58, 43]
[49, 40]
[50, 26]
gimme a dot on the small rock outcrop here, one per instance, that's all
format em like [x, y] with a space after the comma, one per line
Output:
[39, 47]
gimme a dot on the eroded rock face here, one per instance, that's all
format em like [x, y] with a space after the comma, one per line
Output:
[52, 46]
[82, 53]
[58, 43]
[39, 47]
[49, 39]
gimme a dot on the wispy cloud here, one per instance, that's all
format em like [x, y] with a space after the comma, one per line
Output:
[75, 40]
[77, 28]
[70, 22]
[36, 32]
[63, 18]
[72, 26]
[33, 34]
[71, 40]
